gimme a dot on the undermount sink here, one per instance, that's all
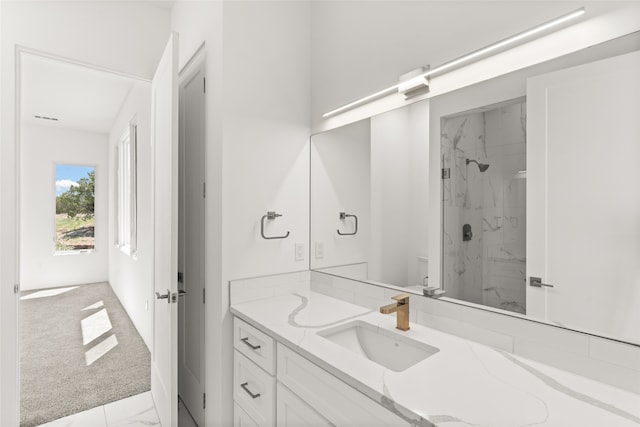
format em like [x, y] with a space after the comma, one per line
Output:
[387, 348]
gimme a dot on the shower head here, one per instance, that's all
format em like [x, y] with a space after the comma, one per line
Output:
[482, 166]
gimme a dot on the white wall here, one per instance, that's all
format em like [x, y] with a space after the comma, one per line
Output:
[42, 147]
[418, 204]
[379, 170]
[399, 195]
[266, 135]
[340, 182]
[129, 276]
[389, 197]
[258, 85]
[124, 36]
[350, 61]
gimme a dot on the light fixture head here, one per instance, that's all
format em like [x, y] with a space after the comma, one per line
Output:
[414, 83]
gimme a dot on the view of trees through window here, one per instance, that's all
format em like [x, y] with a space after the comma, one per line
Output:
[75, 207]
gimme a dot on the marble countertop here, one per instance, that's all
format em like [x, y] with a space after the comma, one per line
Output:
[464, 384]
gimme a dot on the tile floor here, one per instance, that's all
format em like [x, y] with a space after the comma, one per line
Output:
[138, 410]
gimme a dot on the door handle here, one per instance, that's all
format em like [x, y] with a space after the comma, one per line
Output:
[181, 293]
[164, 296]
[536, 282]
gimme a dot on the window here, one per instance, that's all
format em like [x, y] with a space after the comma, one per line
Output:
[126, 160]
[75, 208]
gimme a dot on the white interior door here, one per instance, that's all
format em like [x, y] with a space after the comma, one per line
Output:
[164, 140]
[583, 207]
[192, 248]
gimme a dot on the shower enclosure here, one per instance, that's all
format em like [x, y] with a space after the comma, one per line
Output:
[483, 194]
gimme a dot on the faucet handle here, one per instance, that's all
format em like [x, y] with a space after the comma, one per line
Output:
[402, 298]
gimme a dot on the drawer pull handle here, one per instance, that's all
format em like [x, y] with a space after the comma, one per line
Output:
[246, 341]
[246, 388]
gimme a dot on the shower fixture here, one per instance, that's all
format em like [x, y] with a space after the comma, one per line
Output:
[482, 166]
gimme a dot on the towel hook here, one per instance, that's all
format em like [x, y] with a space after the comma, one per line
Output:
[344, 215]
[270, 215]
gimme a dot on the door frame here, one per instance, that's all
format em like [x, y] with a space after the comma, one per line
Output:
[10, 365]
[198, 60]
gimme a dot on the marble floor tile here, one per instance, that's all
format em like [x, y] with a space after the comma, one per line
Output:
[138, 410]
[92, 417]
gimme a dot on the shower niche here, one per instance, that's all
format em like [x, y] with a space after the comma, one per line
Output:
[484, 210]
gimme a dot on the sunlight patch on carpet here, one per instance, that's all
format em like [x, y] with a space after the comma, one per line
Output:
[94, 306]
[94, 326]
[59, 375]
[100, 349]
[48, 293]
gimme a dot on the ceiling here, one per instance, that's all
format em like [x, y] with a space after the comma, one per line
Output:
[80, 98]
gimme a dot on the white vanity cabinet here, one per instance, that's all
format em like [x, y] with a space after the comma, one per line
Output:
[241, 418]
[339, 403]
[275, 386]
[254, 384]
[293, 412]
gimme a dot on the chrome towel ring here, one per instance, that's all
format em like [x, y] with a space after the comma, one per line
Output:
[270, 215]
[343, 216]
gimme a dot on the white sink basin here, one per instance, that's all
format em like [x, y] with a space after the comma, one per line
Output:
[391, 349]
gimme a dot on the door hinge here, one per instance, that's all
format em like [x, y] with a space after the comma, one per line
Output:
[204, 400]
[446, 173]
[16, 288]
[204, 84]
[204, 190]
[204, 295]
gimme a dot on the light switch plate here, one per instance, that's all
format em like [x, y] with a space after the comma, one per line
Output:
[299, 251]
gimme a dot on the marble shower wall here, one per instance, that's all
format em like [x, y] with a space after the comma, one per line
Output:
[490, 268]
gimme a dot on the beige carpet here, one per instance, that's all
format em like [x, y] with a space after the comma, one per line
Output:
[79, 350]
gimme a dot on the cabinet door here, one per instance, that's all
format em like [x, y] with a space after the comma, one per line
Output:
[583, 196]
[241, 418]
[334, 399]
[291, 411]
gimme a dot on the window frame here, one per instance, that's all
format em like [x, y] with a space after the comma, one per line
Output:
[57, 252]
[126, 190]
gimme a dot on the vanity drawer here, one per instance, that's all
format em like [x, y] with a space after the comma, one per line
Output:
[241, 418]
[338, 402]
[256, 345]
[254, 390]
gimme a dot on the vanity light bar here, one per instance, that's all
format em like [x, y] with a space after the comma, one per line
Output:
[475, 54]
[361, 101]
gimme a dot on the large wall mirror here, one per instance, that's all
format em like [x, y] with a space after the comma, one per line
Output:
[520, 194]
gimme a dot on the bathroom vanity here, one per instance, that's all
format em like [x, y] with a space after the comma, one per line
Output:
[471, 193]
[299, 360]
